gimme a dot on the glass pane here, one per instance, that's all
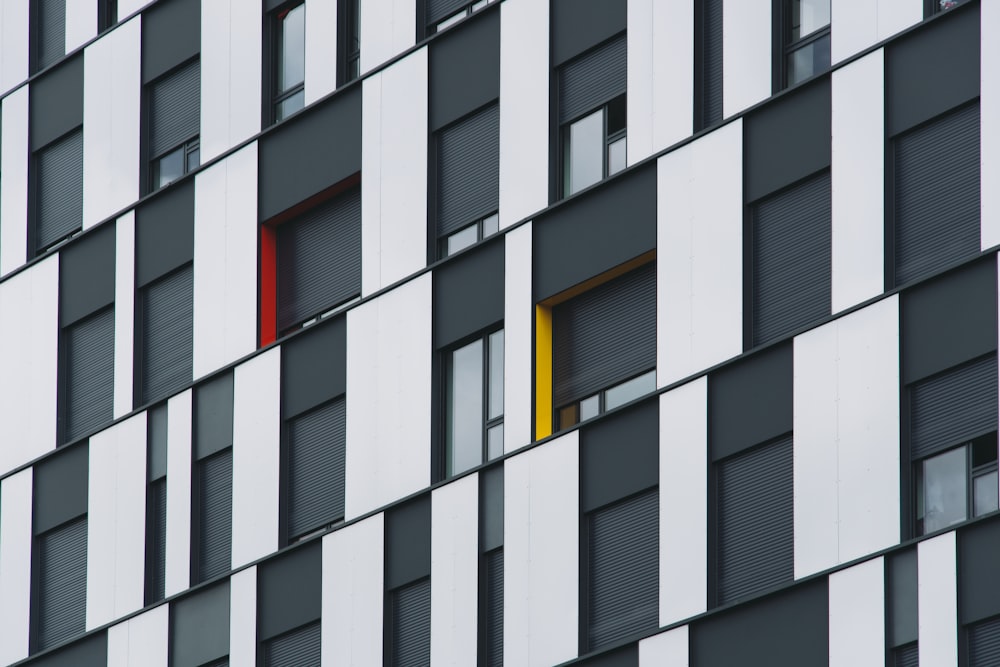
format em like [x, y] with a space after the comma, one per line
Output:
[168, 168]
[630, 390]
[290, 105]
[984, 450]
[450, 21]
[491, 225]
[496, 374]
[810, 59]
[193, 159]
[292, 64]
[585, 159]
[494, 442]
[568, 416]
[984, 494]
[944, 490]
[476, 6]
[465, 408]
[617, 115]
[808, 16]
[462, 239]
[616, 156]
[590, 407]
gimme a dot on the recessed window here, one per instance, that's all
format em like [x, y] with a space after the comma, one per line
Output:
[289, 61]
[174, 124]
[807, 39]
[350, 39]
[48, 32]
[957, 484]
[443, 15]
[58, 196]
[595, 146]
[107, 14]
[474, 403]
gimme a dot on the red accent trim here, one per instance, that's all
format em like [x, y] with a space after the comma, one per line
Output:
[268, 285]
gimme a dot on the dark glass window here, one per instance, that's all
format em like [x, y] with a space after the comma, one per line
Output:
[806, 43]
[474, 405]
[174, 124]
[289, 60]
[442, 14]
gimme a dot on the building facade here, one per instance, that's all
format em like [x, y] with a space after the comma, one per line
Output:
[388, 333]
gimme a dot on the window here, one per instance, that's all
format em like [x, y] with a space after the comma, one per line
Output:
[906, 656]
[289, 61]
[491, 539]
[289, 605]
[107, 14]
[49, 33]
[89, 349]
[984, 643]
[174, 122]
[806, 42]
[296, 648]
[410, 624]
[156, 504]
[316, 460]
[709, 63]
[407, 605]
[932, 7]
[62, 583]
[167, 311]
[212, 483]
[58, 196]
[494, 608]
[957, 484]
[474, 413]
[442, 14]
[349, 18]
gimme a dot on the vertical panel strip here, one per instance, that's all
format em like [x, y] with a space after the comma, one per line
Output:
[937, 599]
[518, 340]
[124, 312]
[857, 615]
[14, 184]
[15, 573]
[178, 572]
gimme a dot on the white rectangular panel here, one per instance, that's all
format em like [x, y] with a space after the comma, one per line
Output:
[81, 23]
[524, 111]
[855, 26]
[937, 601]
[124, 313]
[388, 394]
[541, 554]
[667, 649]
[989, 118]
[517, 338]
[858, 186]
[30, 353]
[140, 641]
[746, 53]
[178, 574]
[243, 617]
[128, 7]
[857, 615]
[455, 572]
[388, 27]
[256, 456]
[14, 32]
[14, 184]
[394, 146]
[684, 501]
[321, 49]
[352, 594]
[15, 565]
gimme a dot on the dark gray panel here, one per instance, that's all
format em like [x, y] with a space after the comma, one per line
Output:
[588, 235]
[289, 595]
[89, 652]
[314, 367]
[907, 656]
[936, 194]
[171, 34]
[319, 148]
[919, 83]
[298, 648]
[494, 608]
[593, 79]
[441, 9]
[157, 438]
[411, 625]
[787, 140]
[469, 293]
[984, 643]
[215, 516]
[87, 275]
[60, 488]
[953, 407]
[711, 70]
[213, 415]
[902, 602]
[175, 108]
[56, 102]
[464, 69]
[408, 542]
[199, 627]
[491, 508]
[157, 559]
[89, 374]
[316, 468]
[62, 584]
[50, 32]
[750, 402]
[620, 455]
[468, 170]
[623, 582]
[58, 190]
[627, 656]
[167, 335]
[164, 232]
[578, 25]
[979, 586]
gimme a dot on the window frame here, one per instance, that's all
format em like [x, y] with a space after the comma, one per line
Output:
[785, 46]
[971, 473]
[564, 152]
[190, 148]
[348, 41]
[275, 97]
[107, 15]
[457, 17]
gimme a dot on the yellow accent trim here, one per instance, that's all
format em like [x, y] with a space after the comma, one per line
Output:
[543, 371]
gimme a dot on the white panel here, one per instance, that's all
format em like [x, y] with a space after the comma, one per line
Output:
[746, 54]
[15, 565]
[855, 26]
[660, 75]
[352, 594]
[178, 574]
[321, 49]
[14, 184]
[388, 27]
[388, 394]
[937, 601]
[857, 615]
[541, 554]
[256, 456]
[524, 114]
[394, 146]
[683, 501]
[140, 641]
[667, 649]
[243, 617]
[225, 261]
[111, 98]
[858, 188]
[30, 353]
[517, 337]
[989, 115]
[116, 521]
[81, 23]
[14, 31]
[124, 312]
[455, 572]
[128, 7]
[700, 272]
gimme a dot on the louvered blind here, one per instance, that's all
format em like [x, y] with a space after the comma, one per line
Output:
[215, 516]
[90, 374]
[298, 648]
[51, 32]
[605, 335]
[936, 172]
[755, 520]
[593, 79]
[984, 643]
[223, 662]
[953, 407]
[623, 573]
[494, 608]
[62, 583]
[316, 451]
[712, 67]
[468, 170]
[319, 260]
[411, 625]
[906, 656]
[167, 334]
[437, 10]
[175, 109]
[791, 256]
[59, 194]
[158, 542]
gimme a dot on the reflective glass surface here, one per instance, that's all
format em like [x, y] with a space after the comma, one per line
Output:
[292, 64]
[616, 156]
[496, 375]
[590, 407]
[944, 479]
[290, 105]
[491, 225]
[810, 59]
[168, 168]
[193, 159]
[494, 442]
[808, 16]
[984, 494]
[462, 239]
[465, 408]
[585, 152]
[630, 390]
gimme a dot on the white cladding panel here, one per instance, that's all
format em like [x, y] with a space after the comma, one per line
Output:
[857, 615]
[178, 574]
[14, 32]
[394, 146]
[15, 565]
[388, 396]
[140, 641]
[667, 649]
[388, 27]
[128, 7]
[541, 554]
[321, 49]
[256, 456]
[746, 54]
[989, 115]
[81, 23]
[517, 338]
[524, 113]
[124, 312]
[243, 617]
[14, 184]
[353, 591]
[29, 352]
[937, 601]
[225, 261]
[683, 501]
[700, 237]
[855, 26]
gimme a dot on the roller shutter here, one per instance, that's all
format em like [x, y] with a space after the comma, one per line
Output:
[593, 79]
[438, 10]
[298, 648]
[175, 109]
[62, 583]
[59, 194]
[158, 540]
[90, 358]
[906, 656]
[984, 643]
[494, 608]
[468, 170]
[51, 32]
[167, 334]
[411, 625]
[215, 514]
[712, 66]
[316, 457]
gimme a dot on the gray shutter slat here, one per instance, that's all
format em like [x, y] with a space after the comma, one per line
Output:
[411, 625]
[438, 10]
[624, 570]
[90, 383]
[984, 643]
[224, 662]
[167, 334]
[175, 109]
[755, 520]
[319, 260]
[62, 584]
[791, 255]
[158, 577]
[593, 79]
[60, 189]
[712, 111]
[494, 608]
[215, 530]
[953, 407]
[316, 460]
[906, 656]
[298, 648]
[52, 31]
[937, 194]
[468, 170]
[605, 335]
